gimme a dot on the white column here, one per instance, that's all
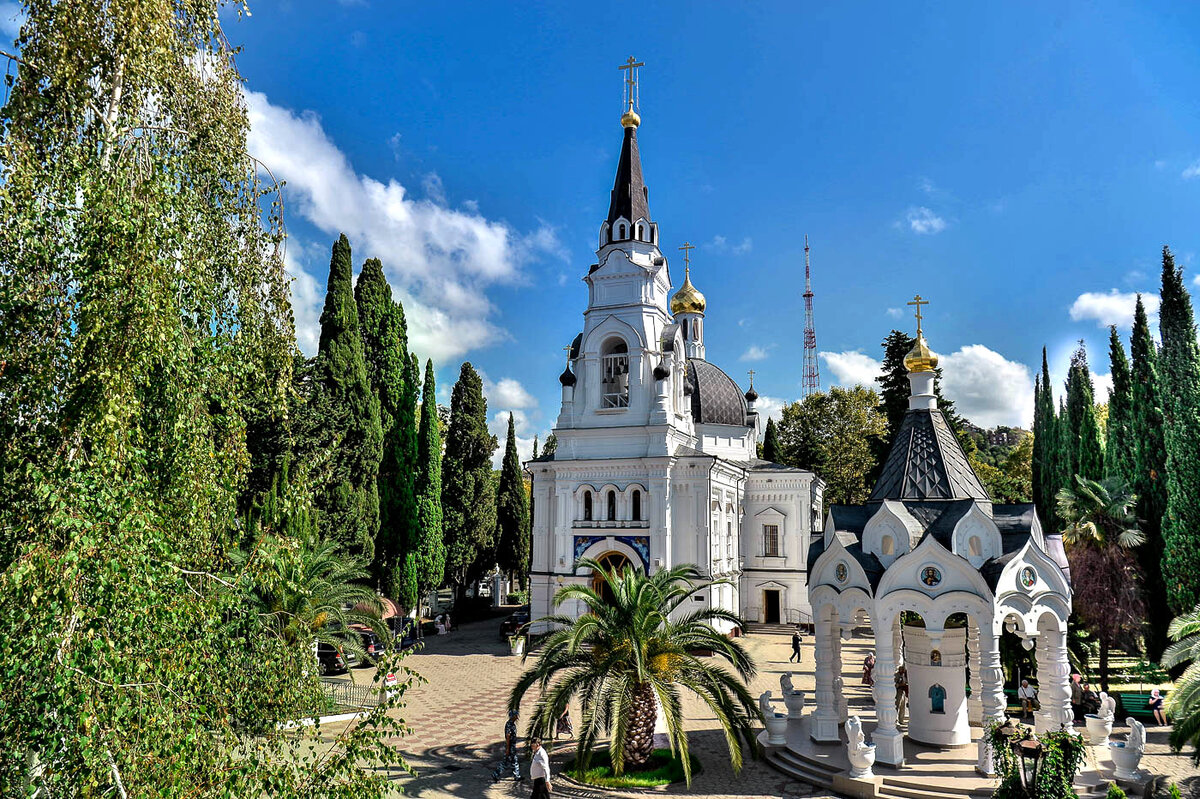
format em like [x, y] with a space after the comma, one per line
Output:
[839, 689]
[824, 719]
[975, 702]
[1054, 686]
[889, 741]
[991, 679]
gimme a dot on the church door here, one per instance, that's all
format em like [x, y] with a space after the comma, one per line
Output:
[609, 561]
[771, 607]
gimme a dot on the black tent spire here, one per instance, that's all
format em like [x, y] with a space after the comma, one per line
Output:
[629, 196]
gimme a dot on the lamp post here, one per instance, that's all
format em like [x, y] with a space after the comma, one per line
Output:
[1029, 757]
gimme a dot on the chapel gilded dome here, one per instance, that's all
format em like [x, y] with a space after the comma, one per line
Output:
[688, 299]
[920, 358]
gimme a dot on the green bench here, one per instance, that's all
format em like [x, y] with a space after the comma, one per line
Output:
[1136, 704]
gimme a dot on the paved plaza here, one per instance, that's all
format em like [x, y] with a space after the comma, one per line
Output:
[458, 717]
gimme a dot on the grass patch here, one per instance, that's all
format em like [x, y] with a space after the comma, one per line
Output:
[662, 769]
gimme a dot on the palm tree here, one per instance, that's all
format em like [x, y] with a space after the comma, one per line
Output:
[1183, 703]
[1101, 531]
[626, 656]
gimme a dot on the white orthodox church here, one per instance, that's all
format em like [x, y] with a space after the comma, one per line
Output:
[656, 462]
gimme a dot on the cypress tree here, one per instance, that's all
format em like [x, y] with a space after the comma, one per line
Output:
[1149, 476]
[385, 350]
[468, 490]
[512, 513]
[349, 498]
[535, 446]
[1085, 454]
[1119, 446]
[1045, 448]
[551, 445]
[431, 547]
[771, 443]
[1180, 366]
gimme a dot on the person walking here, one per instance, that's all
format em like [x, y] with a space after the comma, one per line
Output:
[539, 771]
[510, 761]
[868, 677]
[1077, 697]
[795, 646]
[564, 724]
[901, 680]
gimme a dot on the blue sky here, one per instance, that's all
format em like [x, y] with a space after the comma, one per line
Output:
[1016, 163]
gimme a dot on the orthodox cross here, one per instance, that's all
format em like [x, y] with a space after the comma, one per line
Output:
[751, 373]
[918, 301]
[687, 252]
[631, 94]
[567, 350]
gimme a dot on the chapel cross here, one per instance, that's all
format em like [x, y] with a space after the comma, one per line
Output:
[567, 349]
[631, 79]
[918, 301]
[687, 252]
[751, 373]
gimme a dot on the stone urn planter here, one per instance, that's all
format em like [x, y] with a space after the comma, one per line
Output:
[860, 753]
[775, 723]
[1128, 753]
[795, 704]
[1098, 728]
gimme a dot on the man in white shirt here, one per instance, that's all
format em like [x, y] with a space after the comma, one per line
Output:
[539, 771]
[1027, 694]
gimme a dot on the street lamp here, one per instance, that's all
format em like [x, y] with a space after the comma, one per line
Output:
[1029, 754]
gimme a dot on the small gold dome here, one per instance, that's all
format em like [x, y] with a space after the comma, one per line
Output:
[630, 119]
[920, 358]
[688, 299]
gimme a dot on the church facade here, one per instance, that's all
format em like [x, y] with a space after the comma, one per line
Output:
[656, 460]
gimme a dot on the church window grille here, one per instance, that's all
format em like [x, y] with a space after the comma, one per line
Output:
[587, 506]
[615, 377]
[771, 540]
[637, 506]
[612, 506]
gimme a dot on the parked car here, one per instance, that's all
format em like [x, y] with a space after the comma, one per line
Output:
[513, 624]
[331, 659]
[370, 643]
[404, 630]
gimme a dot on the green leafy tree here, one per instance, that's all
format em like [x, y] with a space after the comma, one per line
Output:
[385, 351]
[1101, 534]
[1045, 444]
[468, 488]
[1119, 449]
[836, 435]
[1012, 480]
[431, 547]
[771, 448]
[1183, 701]
[1180, 372]
[551, 445]
[349, 498]
[144, 325]
[1085, 454]
[1149, 477]
[632, 652]
[512, 513]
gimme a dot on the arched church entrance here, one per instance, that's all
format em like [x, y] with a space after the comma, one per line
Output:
[609, 561]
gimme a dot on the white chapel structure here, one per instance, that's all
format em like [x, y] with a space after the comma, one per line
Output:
[940, 572]
[656, 460]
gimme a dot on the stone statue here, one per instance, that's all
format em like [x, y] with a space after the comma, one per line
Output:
[1100, 723]
[785, 684]
[1108, 707]
[1128, 753]
[764, 705]
[860, 753]
[1137, 735]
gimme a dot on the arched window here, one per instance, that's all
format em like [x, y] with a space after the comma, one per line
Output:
[685, 332]
[641, 233]
[652, 236]
[695, 329]
[612, 506]
[637, 505]
[615, 375]
[621, 231]
[937, 699]
[889, 545]
[975, 546]
[587, 506]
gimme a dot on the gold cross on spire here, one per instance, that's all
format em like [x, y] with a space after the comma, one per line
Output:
[567, 350]
[918, 301]
[631, 96]
[751, 373]
[687, 252]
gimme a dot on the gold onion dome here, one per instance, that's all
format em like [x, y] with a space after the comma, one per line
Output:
[688, 299]
[630, 119]
[920, 358]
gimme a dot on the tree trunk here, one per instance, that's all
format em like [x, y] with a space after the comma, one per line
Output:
[1104, 663]
[639, 741]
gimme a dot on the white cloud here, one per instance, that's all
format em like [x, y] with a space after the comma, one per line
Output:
[1196, 280]
[1102, 385]
[431, 184]
[853, 368]
[440, 261]
[507, 394]
[771, 407]
[1114, 308]
[895, 313]
[926, 185]
[721, 244]
[525, 432]
[12, 17]
[1192, 171]
[754, 353]
[987, 388]
[923, 221]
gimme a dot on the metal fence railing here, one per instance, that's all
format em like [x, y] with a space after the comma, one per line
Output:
[347, 694]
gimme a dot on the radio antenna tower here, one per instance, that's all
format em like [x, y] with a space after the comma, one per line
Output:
[811, 383]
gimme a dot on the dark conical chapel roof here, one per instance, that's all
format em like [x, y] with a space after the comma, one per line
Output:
[927, 462]
[629, 195]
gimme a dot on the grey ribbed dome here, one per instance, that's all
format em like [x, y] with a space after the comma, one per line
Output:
[716, 398]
